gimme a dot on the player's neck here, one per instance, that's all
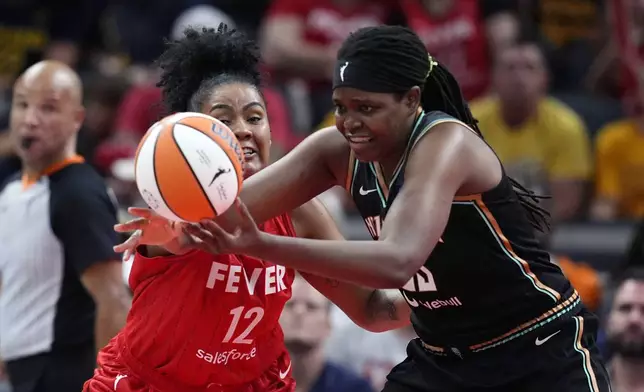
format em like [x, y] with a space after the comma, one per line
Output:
[627, 373]
[390, 162]
[307, 368]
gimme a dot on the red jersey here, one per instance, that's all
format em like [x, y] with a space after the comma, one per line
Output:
[198, 319]
[458, 40]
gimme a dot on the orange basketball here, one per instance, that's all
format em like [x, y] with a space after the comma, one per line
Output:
[188, 167]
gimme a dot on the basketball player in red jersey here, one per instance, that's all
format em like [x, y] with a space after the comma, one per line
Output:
[210, 323]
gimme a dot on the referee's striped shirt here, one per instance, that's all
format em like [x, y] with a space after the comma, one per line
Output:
[51, 231]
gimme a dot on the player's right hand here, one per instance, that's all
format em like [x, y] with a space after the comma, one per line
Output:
[149, 228]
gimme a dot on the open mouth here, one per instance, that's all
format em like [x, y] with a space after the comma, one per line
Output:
[27, 142]
[249, 152]
[359, 139]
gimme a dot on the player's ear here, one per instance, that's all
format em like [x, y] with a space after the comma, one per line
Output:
[412, 99]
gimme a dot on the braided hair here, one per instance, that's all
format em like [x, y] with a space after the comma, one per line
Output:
[203, 59]
[403, 62]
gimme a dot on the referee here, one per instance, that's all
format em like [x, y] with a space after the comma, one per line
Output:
[61, 291]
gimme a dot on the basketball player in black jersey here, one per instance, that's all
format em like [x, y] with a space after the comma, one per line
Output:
[450, 229]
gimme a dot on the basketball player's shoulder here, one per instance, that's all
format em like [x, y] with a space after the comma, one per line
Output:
[437, 118]
[326, 148]
[329, 140]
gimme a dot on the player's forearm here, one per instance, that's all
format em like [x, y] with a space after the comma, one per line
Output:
[374, 310]
[375, 264]
[110, 318]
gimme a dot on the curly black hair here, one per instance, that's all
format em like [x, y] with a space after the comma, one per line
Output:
[202, 59]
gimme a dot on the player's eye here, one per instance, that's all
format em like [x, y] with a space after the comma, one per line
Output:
[339, 110]
[366, 109]
[254, 119]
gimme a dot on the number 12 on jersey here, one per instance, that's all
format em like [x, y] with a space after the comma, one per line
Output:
[254, 314]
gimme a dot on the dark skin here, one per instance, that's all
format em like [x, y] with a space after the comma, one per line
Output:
[449, 161]
[242, 108]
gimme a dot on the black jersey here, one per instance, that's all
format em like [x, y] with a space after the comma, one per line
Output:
[51, 232]
[487, 281]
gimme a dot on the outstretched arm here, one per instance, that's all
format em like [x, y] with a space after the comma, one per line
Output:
[374, 310]
[315, 165]
[447, 160]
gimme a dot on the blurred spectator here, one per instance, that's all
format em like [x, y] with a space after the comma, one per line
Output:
[300, 39]
[562, 24]
[464, 35]
[368, 354]
[142, 26]
[306, 323]
[542, 143]
[625, 333]
[620, 170]
[34, 29]
[103, 96]
[574, 29]
[617, 70]
[62, 294]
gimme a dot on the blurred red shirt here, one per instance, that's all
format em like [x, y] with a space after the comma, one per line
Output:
[458, 40]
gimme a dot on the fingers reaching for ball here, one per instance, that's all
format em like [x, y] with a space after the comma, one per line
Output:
[242, 239]
[141, 212]
[129, 246]
[131, 225]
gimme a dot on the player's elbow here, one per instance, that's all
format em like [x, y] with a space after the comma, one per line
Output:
[378, 327]
[405, 266]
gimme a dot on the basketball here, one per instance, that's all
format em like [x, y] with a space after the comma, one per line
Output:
[188, 167]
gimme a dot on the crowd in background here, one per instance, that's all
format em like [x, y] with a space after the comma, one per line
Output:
[557, 87]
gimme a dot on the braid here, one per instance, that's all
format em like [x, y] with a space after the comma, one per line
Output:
[442, 92]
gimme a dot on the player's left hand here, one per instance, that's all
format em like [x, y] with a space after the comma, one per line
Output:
[212, 238]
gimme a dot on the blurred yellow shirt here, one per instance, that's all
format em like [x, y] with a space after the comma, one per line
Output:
[620, 167]
[329, 121]
[553, 145]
